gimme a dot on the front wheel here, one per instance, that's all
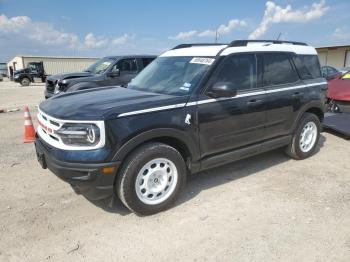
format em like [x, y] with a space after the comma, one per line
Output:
[305, 138]
[151, 178]
[25, 81]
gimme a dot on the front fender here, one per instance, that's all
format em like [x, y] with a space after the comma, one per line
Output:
[159, 133]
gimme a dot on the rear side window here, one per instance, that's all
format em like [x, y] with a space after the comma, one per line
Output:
[278, 70]
[239, 70]
[308, 66]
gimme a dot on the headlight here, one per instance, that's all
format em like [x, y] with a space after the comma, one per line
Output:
[16, 76]
[79, 134]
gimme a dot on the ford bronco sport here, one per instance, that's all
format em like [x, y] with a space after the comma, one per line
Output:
[195, 107]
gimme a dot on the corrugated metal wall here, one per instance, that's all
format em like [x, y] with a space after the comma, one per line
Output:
[55, 65]
[333, 56]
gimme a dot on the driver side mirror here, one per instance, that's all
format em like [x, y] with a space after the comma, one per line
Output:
[114, 73]
[222, 89]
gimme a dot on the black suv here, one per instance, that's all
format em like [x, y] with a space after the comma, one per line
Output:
[107, 71]
[193, 108]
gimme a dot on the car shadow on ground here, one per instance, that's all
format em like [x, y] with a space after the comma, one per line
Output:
[214, 177]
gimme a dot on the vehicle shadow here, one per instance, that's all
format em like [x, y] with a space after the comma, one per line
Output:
[215, 177]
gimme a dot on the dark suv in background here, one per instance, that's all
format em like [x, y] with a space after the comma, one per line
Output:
[195, 107]
[108, 71]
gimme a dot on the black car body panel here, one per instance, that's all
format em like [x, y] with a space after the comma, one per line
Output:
[208, 131]
[85, 80]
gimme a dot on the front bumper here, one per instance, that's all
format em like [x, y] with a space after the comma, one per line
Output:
[85, 178]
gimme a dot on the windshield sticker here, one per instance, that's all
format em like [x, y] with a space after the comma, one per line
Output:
[187, 85]
[202, 60]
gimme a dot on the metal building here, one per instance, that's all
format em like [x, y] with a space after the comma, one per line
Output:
[52, 64]
[336, 56]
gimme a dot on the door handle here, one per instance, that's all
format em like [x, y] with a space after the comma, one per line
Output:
[254, 102]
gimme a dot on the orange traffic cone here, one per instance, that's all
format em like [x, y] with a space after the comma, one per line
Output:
[29, 131]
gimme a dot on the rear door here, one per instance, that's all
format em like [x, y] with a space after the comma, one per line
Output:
[230, 123]
[284, 97]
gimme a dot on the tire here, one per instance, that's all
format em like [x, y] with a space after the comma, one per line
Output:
[305, 137]
[25, 81]
[145, 191]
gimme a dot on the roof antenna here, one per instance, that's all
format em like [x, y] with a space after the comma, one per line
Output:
[279, 35]
[216, 36]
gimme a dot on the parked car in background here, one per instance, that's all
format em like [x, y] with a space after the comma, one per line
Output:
[33, 71]
[3, 69]
[330, 72]
[195, 107]
[343, 70]
[108, 71]
[339, 94]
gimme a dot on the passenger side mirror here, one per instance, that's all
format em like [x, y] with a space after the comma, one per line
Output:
[114, 73]
[222, 89]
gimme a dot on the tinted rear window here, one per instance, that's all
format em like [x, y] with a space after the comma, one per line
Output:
[278, 70]
[308, 66]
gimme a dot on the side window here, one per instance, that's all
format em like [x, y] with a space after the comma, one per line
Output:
[308, 66]
[126, 65]
[146, 61]
[240, 70]
[278, 70]
[331, 71]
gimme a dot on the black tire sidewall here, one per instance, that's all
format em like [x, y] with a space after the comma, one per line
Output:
[132, 166]
[305, 119]
[21, 82]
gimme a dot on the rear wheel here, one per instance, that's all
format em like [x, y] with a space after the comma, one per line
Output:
[305, 138]
[151, 178]
[25, 81]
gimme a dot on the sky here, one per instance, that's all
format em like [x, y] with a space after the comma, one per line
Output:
[100, 28]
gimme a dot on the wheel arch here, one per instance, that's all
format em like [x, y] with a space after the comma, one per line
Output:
[315, 108]
[316, 111]
[172, 137]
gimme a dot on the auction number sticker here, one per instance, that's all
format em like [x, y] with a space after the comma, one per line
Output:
[202, 60]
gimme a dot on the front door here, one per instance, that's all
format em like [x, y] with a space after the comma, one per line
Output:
[226, 124]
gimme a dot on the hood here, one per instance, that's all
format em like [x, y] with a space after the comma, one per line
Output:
[20, 71]
[104, 103]
[339, 90]
[69, 76]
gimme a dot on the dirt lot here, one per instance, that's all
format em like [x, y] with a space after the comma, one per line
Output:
[266, 208]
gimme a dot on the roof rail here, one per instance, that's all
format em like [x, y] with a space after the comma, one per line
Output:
[196, 44]
[245, 42]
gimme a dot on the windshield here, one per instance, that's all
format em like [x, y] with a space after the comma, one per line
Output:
[100, 66]
[172, 75]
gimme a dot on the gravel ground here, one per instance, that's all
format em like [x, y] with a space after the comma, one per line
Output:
[266, 208]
